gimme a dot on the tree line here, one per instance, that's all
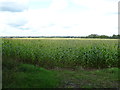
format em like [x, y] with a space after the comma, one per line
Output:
[103, 36]
[89, 36]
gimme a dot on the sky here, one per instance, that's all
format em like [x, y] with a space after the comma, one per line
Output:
[58, 17]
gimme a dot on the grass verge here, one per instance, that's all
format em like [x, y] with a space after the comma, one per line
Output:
[19, 75]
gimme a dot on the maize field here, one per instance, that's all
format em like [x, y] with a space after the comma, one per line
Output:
[62, 52]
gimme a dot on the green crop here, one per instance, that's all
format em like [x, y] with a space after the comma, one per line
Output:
[50, 53]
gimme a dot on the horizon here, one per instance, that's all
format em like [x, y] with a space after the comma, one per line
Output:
[58, 17]
[57, 36]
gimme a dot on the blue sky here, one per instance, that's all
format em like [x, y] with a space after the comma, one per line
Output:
[58, 17]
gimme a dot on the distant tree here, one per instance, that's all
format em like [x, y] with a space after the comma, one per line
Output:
[93, 36]
[115, 36]
[118, 36]
[103, 36]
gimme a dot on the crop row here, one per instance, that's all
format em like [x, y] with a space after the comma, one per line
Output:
[51, 53]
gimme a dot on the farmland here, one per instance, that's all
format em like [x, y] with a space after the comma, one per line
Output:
[62, 53]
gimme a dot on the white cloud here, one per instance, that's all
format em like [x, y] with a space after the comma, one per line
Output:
[13, 5]
[100, 6]
[98, 19]
[19, 1]
[10, 22]
[58, 5]
[13, 18]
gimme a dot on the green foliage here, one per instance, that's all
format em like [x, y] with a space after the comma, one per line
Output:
[18, 75]
[61, 52]
[84, 78]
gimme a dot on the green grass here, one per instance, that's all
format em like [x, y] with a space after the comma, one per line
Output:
[19, 75]
[107, 78]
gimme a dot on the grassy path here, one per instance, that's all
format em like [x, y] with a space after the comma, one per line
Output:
[18, 75]
[106, 78]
